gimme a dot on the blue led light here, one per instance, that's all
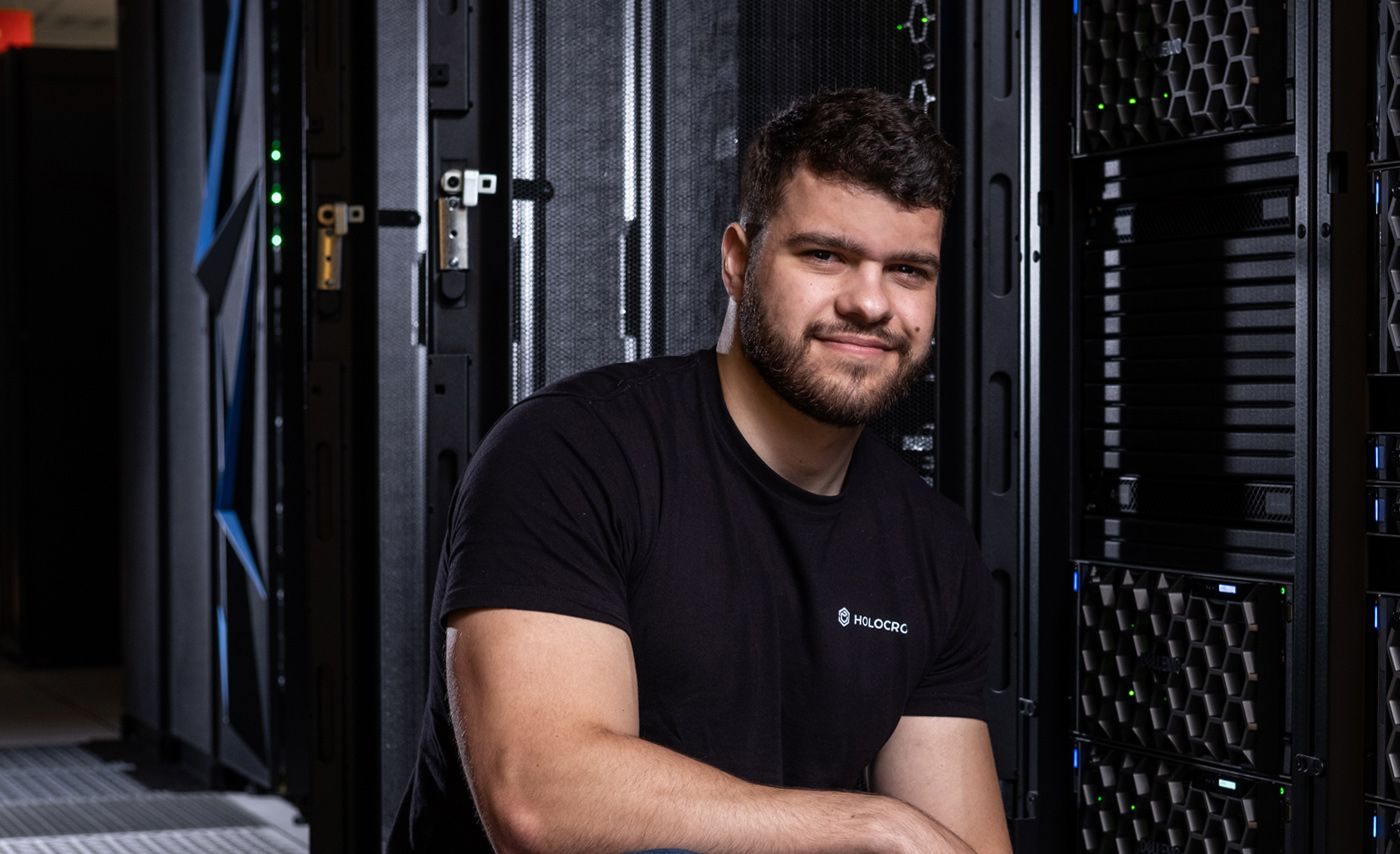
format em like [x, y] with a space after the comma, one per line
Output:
[1228, 784]
[1076, 757]
[1227, 588]
[1076, 8]
[1375, 826]
[1076, 581]
[1379, 510]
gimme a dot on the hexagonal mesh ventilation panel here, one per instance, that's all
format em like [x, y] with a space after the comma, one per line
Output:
[1154, 70]
[1387, 711]
[1385, 307]
[1388, 80]
[1183, 664]
[1134, 803]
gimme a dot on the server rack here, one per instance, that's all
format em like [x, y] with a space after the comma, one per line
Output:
[210, 367]
[1210, 218]
[1383, 339]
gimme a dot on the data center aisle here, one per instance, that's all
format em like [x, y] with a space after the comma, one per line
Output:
[68, 785]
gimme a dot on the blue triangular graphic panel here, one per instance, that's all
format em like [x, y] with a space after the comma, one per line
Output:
[232, 503]
[218, 139]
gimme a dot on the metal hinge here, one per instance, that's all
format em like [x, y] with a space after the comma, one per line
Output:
[1027, 706]
[462, 189]
[335, 220]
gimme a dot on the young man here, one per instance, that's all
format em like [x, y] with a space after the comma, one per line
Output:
[686, 602]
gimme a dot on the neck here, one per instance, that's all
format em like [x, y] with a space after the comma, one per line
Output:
[806, 452]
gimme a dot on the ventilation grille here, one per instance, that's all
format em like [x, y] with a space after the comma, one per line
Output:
[222, 841]
[1188, 665]
[1155, 70]
[1388, 80]
[1385, 306]
[131, 814]
[1130, 802]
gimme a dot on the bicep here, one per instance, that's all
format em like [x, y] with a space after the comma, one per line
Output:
[944, 767]
[519, 682]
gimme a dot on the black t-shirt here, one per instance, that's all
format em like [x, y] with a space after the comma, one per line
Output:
[778, 635]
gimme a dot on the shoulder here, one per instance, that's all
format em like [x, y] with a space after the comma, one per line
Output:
[606, 416]
[937, 524]
[648, 377]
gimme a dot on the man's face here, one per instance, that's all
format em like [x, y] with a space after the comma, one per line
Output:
[837, 307]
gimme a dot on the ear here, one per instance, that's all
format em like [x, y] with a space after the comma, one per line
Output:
[735, 252]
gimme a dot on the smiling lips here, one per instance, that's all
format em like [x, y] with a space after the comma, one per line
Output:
[858, 345]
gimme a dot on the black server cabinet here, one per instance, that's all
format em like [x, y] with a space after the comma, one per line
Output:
[1202, 250]
[211, 377]
[1382, 449]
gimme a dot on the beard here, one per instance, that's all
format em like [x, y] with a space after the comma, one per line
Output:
[847, 395]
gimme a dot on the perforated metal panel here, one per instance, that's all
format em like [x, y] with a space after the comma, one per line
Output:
[1131, 802]
[1155, 70]
[223, 841]
[109, 815]
[1190, 665]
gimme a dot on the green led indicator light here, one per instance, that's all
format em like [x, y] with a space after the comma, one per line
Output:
[1280, 790]
[1166, 94]
[276, 238]
[275, 155]
[1132, 100]
[1283, 591]
[1101, 105]
[1100, 797]
[899, 26]
[276, 197]
[923, 20]
[1132, 807]
[1132, 693]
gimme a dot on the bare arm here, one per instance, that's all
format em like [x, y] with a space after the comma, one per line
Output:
[944, 767]
[545, 712]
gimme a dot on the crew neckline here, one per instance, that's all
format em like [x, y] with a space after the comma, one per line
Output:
[748, 458]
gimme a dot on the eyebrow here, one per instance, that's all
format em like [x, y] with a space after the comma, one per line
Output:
[841, 241]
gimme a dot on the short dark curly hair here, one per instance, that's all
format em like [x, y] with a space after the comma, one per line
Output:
[871, 138]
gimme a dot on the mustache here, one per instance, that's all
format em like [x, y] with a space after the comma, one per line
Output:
[887, 338]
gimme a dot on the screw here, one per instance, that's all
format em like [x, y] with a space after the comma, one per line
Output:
[454, 262]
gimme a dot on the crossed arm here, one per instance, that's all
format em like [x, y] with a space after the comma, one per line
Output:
[545, 712]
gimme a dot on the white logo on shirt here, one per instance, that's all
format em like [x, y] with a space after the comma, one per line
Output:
[845, 618]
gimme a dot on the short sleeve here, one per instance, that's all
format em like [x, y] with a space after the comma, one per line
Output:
[955, 680]
[544, 518]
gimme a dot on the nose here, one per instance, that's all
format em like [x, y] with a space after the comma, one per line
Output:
[863, 299]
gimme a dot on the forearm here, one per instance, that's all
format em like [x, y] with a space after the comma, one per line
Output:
[620, 793]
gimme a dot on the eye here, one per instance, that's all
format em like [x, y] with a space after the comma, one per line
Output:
[821, 255]
[909, 271]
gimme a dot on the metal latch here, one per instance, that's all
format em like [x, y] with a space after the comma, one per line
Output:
[335, 220]
[1312, 766]
[462, 189]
